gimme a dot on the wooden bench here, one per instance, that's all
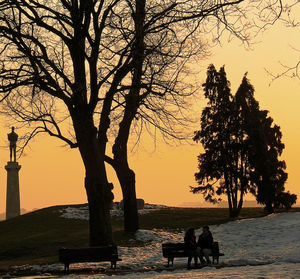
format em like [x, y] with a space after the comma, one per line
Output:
[176, 250]
[91, 254]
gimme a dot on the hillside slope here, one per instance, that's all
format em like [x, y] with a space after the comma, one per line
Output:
[36, 237]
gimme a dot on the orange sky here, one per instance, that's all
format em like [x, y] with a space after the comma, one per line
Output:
[53, 175]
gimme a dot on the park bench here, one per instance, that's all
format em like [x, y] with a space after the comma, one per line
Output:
[91, 254]
[176, 250]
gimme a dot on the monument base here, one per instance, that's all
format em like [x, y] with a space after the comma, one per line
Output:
[12, 192]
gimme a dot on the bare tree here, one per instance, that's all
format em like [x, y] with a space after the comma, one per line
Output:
[52, 49]
[88, 71]
[156, 95]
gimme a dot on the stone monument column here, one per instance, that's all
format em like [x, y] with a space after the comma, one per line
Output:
[12, 168]
[12, 190]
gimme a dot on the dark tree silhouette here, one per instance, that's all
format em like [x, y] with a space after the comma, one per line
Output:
[87, 71]
[224, 166]
[241, 147]
[285, 199]
[264, 138]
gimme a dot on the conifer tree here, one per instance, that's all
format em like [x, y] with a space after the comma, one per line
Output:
[242, 147]
[264, 137]
[219, 164]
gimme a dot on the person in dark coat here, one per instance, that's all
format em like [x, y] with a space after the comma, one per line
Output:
[205, 242]
[190, 246]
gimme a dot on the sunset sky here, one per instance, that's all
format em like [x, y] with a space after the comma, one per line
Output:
[52, 174]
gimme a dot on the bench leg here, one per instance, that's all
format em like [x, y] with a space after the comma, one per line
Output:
[216, 258]
[67, 267]
[170, 260]
[113, 265]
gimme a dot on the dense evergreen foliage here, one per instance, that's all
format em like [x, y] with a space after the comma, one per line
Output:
[242, 147]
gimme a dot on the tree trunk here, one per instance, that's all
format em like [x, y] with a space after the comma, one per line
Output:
[267, 194]
[234, 212]
[241, 201]
[127, 181]
[236, 208]
[228, 194]
[125, 175]
[269, 207]
[99, 214]
[98, 190]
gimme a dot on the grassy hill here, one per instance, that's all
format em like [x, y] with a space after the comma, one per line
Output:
[36, 237]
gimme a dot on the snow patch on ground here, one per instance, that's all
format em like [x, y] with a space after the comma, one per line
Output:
[82, 212]
[267, 247]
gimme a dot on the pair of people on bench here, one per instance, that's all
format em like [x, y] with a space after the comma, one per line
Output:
[201, 248]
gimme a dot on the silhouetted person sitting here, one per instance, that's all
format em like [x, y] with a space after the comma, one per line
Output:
[205, 242]
[190, 246]
[12, 137]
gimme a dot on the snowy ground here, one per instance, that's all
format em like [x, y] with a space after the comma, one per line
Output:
[267, 247]
[83, 213]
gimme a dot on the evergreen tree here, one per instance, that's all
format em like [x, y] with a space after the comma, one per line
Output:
[265, 147]
[223, 165]
[285, 199]
[242, 147]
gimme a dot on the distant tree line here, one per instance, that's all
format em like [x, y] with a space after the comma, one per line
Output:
[242, 147]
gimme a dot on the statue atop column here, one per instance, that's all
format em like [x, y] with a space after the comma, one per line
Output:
[13, 187]
[12, 137]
